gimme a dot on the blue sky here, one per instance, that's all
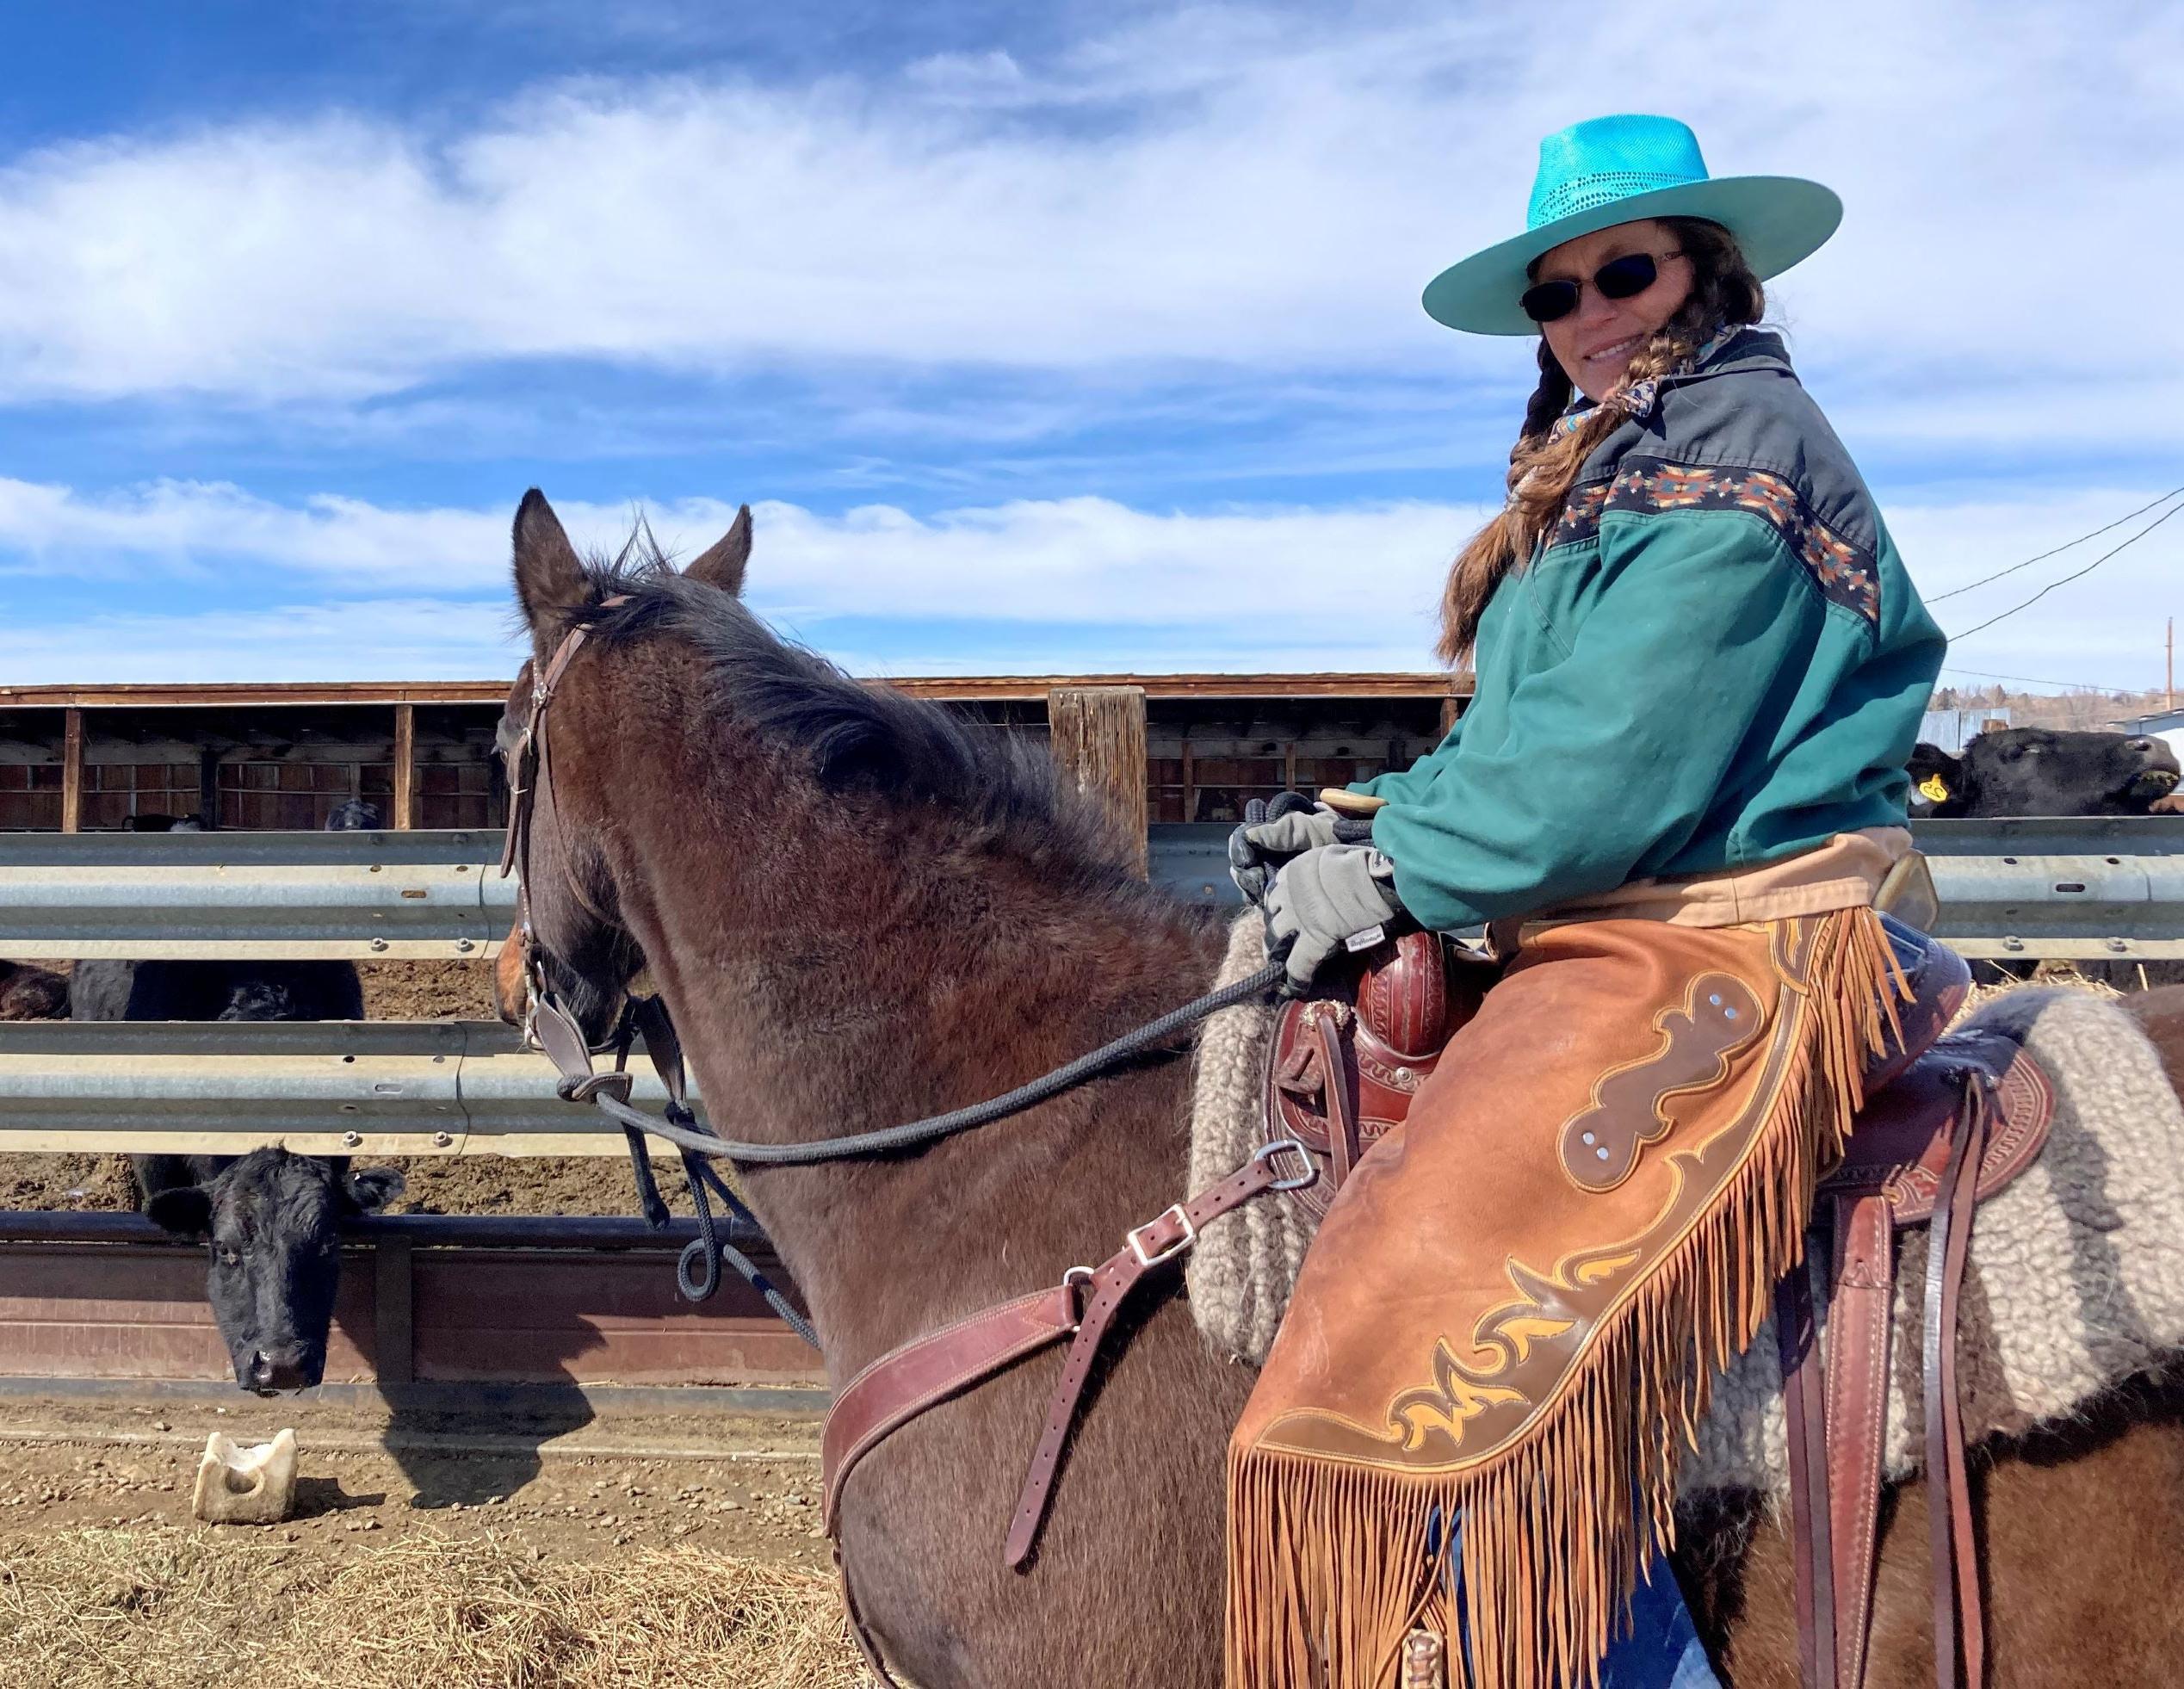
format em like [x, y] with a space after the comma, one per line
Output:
[1043, 337]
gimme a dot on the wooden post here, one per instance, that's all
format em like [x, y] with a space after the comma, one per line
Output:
[404, 767]
[72, 773]
[1097, 735]
[208, 787]
[393, 1341]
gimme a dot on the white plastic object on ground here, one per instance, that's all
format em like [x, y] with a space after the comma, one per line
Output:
[247, 1486]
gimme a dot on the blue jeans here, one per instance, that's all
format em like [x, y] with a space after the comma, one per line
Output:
[1662, 1650]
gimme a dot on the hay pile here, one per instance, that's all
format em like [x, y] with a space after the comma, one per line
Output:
[189, 1609]
[2064, 973]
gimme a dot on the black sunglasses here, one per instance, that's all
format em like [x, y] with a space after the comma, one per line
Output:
[1618, 278]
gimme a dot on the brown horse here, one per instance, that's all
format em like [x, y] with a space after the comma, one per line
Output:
[861, 912]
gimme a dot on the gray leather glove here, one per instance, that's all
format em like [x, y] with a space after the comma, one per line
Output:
[1331, 898]
[1258, 849]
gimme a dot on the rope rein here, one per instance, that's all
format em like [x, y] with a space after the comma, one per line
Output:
[887, 1140]
[557, 1032]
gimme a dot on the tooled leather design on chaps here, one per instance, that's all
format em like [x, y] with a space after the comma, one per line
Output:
[1599, 1148]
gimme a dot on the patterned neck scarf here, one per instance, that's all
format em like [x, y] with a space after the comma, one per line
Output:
[1640, 399]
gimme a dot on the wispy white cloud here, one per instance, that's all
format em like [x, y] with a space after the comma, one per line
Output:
[1261, 189]
[381, 639]
[1029, 586]
[190, 526]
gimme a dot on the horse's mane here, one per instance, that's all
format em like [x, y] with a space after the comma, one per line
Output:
[851, 736]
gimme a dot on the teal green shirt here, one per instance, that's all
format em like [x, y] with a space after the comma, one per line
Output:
[1717, 660]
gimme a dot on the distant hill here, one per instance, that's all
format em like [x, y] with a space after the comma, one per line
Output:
[2081, 710]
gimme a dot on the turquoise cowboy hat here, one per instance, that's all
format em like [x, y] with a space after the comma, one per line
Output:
[1616, 170]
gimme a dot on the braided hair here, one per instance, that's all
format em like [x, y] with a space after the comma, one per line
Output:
[1542, 465]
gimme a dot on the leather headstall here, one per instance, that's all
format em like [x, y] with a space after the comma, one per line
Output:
[529, 766]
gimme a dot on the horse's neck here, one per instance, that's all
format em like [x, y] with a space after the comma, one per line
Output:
[828, 1021]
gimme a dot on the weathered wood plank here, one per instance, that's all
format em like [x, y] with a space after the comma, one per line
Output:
[1098, 742]
[72, 773]
[404, 767]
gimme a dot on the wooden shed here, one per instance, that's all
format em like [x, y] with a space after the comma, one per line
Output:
[1175, 748]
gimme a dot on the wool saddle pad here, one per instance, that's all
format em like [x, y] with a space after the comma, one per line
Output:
[2076, 1274]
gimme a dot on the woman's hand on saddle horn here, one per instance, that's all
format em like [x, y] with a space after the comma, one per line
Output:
[1257, 849]
[1331, 898]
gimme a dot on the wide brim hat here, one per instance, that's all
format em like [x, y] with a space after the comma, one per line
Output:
[1617, 169]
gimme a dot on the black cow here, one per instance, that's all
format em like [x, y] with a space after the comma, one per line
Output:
[32, 994]
[2043, 771]
[270, 1220]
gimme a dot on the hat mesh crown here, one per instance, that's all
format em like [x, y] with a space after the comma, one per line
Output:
[1568, 198]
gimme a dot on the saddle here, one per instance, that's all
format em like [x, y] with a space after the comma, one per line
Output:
[1949, 1121]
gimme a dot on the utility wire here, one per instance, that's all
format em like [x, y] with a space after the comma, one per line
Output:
[1956, 590]
[2067, 579]
[2038, 680]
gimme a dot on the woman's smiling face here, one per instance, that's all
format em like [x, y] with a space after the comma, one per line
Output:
[1594, 342]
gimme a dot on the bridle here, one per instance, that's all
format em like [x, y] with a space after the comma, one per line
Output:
[1078, 1312]
[528, 766]
[550, 1024]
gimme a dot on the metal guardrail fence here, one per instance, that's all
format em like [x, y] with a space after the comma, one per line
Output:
[2023, 889]
[320, 1087]
[2094, 887]
[200, 895]
[2085, 887]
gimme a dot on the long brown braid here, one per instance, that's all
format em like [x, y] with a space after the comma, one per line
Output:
[1724, 292]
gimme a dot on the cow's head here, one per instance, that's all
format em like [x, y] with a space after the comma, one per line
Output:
[2043, 771]
[271, 1223]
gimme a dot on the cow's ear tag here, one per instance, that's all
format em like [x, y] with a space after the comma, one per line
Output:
[1934, 790]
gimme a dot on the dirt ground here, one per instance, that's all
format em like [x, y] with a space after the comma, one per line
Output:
[576, 1552]
[96, 1537]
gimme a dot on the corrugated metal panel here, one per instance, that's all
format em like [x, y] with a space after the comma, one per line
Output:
[1950, 730]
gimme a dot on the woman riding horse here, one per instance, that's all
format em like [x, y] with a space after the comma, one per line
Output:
[1701, 668]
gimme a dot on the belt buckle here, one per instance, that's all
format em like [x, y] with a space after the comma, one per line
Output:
[1136, 1237]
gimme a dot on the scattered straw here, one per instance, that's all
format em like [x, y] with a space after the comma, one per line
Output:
[2047, 973]
[189, 1609]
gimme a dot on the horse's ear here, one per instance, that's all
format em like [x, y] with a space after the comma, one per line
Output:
[723, 564]
[549, 580]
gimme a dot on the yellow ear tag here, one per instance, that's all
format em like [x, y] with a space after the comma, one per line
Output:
[1933, 789]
